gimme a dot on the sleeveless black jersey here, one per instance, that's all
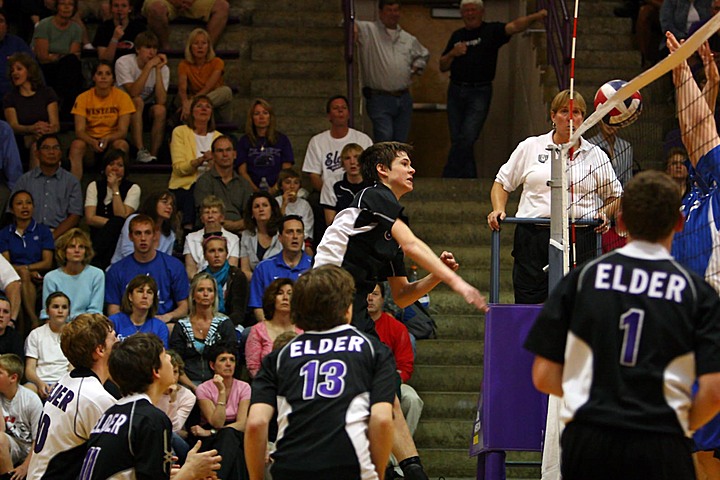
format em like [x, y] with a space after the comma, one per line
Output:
[130, 441]
[633, 329]
[322, 385]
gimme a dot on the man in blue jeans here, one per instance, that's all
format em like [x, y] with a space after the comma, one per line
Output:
[471, 57]
[389, 57]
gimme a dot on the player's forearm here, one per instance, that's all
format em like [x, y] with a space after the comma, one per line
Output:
[412, 291]
[706, 403]
[380, 434]
[547, 376]
[255, 446]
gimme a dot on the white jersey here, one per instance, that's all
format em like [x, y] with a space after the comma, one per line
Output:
[76, 403]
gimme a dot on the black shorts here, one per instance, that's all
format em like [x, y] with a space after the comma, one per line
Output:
[591, 452]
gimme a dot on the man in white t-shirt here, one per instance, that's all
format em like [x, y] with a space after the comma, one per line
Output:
[322, 159]
[145, 76]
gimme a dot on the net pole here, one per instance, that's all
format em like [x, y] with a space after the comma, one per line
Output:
[571, 104]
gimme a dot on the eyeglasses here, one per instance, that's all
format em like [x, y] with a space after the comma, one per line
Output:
[51, 147]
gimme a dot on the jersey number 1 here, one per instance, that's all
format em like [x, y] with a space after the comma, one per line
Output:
[631, 322]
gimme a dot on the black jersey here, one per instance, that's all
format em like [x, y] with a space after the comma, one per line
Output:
[633, 329]
[322, 385]
[360, 241]
[131, 440]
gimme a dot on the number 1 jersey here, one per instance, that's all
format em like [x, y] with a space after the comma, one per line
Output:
[633, 329]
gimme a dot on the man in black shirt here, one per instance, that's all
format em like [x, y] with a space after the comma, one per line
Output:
[622, 339]
[332, 387]
[471, 57]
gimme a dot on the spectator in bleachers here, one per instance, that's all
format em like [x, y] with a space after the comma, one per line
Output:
[115, 37]
[292, 203]
[677, 16]
[618, 150]
[137, 310]
[649, 34]
[58, 194]
[160, 12]
[677, 159]
[57, 42]
[45, 362]
[395, 335]
[177, 403]
[259, 240]
[29, 247]
[102, 117]
[109, 200]
[191, 152]
[352, 182]
[31, 107]
[9, 45]
[83, 283]
[145, 76]
[230, 279]
[167, 271]
[224, 182]
[263, 151]
[276, 310]
[201, 73]
[529, 167]
[322, 158]
[290, 263]
[10, 165]
[21, 409]
[160, 207]
[224, 402]
[11, 341]
[205, 326]
[86, 342]
[212, 215]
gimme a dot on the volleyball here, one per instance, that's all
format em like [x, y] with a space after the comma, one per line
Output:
[625, 112]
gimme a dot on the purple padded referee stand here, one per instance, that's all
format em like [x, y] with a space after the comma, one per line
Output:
[511, 412]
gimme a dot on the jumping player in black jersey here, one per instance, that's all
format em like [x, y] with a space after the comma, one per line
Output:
[622, 339]
[333, 389]
[132, 438]
[370, 239]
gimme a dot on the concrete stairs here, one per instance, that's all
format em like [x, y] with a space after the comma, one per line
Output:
[450, 215]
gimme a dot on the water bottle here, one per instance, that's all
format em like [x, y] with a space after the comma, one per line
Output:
[264, 185]
[425, 299]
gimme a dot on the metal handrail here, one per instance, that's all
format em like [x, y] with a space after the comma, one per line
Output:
[349, 27]
[495, 248]
[559, 35]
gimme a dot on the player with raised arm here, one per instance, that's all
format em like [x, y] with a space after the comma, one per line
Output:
[625, 370]
[332, 388]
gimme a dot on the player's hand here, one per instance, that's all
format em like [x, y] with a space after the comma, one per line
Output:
[671, 42]
[202, 465]
[449, 260]
[44, 390]
[494, 218]
[471, 295]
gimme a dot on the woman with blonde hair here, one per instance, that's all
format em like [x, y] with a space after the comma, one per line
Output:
[595, 189]
[191, 153]
[263, 151]
[201, 73]
[202, 328]
[81, 282]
